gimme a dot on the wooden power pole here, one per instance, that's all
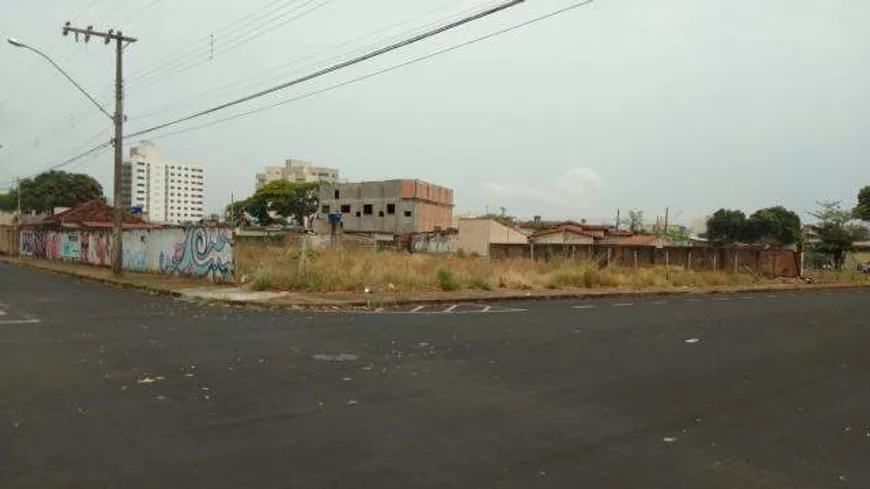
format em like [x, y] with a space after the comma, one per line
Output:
[121, 42]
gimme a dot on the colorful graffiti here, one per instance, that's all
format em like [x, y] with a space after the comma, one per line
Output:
[203, 253]
[193, 252]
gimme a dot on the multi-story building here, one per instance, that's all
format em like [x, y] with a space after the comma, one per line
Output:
[390, 206]
[297, 171]
[167, 192]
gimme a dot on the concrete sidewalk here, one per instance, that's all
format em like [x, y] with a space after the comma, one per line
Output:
[195, 289]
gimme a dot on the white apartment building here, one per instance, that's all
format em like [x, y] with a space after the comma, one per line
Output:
[297, 171]
[167, 192]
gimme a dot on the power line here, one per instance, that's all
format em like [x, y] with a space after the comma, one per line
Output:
[203, 44]
[93, 151]
[245, 38]
[185, 102]
[337, 67]
[380, 72]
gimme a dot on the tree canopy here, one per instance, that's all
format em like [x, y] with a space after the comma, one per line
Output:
[775, 226]
[835, 231]
[278, 201]
[862, 210]
[46, 191]
[726, 226]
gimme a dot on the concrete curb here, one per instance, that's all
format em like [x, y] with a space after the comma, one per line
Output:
[394, 302]
[607, 294]
[117, 282]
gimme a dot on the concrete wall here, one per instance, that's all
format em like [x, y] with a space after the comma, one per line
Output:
[7, 240]
[434, 243]
[187, 252]
[564, 238]
[476, 236]
[771, 263]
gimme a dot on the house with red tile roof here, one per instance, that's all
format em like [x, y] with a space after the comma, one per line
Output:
[93, 214]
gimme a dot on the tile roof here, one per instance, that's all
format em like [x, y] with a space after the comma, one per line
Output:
[95, 213]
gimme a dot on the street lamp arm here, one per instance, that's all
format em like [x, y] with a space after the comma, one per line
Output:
[20, 44]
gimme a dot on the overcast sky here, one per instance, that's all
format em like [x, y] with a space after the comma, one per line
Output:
[630, 104]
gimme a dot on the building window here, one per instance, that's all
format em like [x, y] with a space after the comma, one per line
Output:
[345, 209]
[391, 209]
[381, 214]
[367, 209]
[337, 194]
[407, 213]
[324, 209]
[357, 214]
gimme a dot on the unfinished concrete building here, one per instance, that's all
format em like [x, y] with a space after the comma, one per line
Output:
[389, 206]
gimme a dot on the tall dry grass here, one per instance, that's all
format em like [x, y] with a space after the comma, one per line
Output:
[269, 267]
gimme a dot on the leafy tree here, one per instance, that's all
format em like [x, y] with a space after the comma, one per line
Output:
[635, 221]
[862, 210]
[502, 217]
[776, 226]
[235, 213]
[289, 200]
[8, 202]
[835, 231]
[54, 189]
[727, 226]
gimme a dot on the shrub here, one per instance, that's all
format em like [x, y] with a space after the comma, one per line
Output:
[447, 280]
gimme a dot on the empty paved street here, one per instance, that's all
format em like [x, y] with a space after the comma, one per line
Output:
[102, 387]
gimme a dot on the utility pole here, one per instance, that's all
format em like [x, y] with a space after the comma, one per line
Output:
[120, 42]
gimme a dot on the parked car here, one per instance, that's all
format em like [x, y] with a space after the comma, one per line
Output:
[864, 267]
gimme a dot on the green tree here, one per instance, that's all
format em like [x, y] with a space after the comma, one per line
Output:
[727, 226]
[8, 202]
[289, 200]
[775, 226]
[635, 221]
[835, 231]
[235, 213]
[54, 188]
[862, 210]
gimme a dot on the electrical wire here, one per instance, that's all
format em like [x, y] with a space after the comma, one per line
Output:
[219, 49]
[202, 47]
[377, 73]
[244, 82]
[91, 152]
[337, 67]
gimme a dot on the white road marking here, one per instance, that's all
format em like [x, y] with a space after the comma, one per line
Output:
[658, 303]
[453, 310]
[7, 322]
[693, 300]
[623, 304]
[771, 296]
[747, 298]
[585, 307]
[2, 312]
[722, 299]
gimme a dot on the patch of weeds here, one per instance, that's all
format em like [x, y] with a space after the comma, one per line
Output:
[447, 280]
[262, 279]
[479, 283]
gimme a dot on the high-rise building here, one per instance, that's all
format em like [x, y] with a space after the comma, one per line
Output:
[297, 171]
[166, 191]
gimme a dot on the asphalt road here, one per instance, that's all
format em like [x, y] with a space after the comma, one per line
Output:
[104, 387]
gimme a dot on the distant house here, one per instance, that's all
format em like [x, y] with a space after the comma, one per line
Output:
[476, 235]
[641, 240]
[567, 234]
[93, 214]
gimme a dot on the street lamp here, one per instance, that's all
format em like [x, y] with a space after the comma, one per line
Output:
[18, 44]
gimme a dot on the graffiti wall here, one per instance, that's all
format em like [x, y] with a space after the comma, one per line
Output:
[186, 252]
